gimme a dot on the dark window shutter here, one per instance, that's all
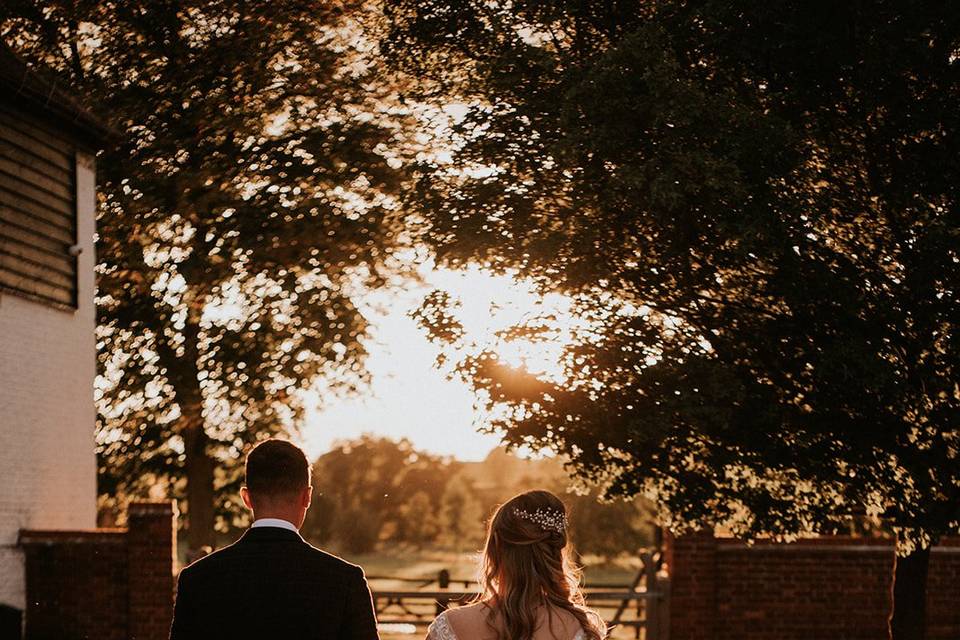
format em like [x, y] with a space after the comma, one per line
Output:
[38, 210]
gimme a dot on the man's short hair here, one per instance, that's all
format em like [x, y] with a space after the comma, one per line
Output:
[277, 468]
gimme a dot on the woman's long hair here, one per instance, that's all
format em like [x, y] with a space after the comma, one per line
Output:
[526, 566]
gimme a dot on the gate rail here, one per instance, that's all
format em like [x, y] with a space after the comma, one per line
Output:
[419, 606]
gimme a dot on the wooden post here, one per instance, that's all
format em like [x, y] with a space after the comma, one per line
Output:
[443, 581]
[651, 610]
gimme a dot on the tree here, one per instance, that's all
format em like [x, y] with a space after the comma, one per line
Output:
[755, 207]
[248, 193]
[462, 514]
[609, 529]
[373, 489]
[421, 519]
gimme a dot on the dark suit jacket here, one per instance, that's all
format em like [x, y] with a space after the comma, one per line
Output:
[268, 585]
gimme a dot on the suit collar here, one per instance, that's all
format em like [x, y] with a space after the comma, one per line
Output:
[273, 522]
[270, 534]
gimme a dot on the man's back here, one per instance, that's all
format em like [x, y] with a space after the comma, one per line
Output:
[271, 584]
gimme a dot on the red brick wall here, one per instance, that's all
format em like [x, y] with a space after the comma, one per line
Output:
[943, 592]
[109, 584]
[837, 588]
[74, 580]
[151, 558]
[692, 563]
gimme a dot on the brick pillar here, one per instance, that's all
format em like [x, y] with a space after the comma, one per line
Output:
[691, 560]
[151, 549]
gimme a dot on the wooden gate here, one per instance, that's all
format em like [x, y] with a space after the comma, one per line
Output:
[635, 610]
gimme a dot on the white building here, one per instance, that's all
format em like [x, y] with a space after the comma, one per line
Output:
[47, 347]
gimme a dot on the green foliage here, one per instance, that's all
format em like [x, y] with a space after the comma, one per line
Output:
[610, 529]
[755, 209]
[463, 514]
[375, 491]
[250, 187]
[372, 489]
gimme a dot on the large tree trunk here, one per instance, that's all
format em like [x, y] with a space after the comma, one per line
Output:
[199, 468]
[199, 464]
[909, 616]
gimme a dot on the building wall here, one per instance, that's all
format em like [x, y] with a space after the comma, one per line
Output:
[836, 588]
[47, 369]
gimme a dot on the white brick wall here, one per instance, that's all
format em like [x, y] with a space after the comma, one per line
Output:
[47, 369]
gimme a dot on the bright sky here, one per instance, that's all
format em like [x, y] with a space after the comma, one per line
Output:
[408, 396]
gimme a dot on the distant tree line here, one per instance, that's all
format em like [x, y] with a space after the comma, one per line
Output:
[375, 491]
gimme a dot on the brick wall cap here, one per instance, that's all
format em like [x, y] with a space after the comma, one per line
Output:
[832, 541]
[53, 536]
[150, 508]
[828, 542]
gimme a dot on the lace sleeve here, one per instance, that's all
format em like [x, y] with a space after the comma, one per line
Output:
[440, 629]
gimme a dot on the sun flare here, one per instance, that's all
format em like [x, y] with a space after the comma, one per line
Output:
[409, 396]
[489, 307]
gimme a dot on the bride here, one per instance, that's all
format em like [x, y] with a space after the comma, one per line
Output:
[529, 588]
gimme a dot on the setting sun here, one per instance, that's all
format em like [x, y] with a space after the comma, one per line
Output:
[409, 396]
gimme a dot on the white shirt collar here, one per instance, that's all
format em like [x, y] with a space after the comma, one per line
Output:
[274, 522]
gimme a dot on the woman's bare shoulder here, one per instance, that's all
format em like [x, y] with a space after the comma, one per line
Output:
[469, 612]
[473, 621]
[470, 621]
[562, 622]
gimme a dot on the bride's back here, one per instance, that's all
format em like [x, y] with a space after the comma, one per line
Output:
[473, 623]
[526, 580]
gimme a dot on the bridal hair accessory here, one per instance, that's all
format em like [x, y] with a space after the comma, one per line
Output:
[549, 519]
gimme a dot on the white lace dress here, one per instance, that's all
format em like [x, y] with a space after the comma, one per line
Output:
[440, 629]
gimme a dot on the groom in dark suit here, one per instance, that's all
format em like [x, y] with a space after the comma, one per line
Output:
[270, 584]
